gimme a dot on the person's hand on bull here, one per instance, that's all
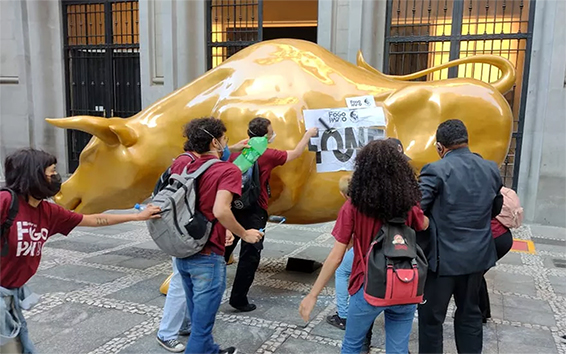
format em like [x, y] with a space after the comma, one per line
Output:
[229, 238]
[149, 212]
[312, 132]
[252, 236]
[239, 146]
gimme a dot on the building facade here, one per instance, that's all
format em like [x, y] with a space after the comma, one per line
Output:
[111, 58]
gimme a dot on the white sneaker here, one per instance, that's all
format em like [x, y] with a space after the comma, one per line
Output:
[171, 345]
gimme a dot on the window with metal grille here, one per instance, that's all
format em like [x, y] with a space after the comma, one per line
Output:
[426, 33]
[232, 26]
[102, 66]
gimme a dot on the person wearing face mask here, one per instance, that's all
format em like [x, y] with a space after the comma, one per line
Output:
[256, 215]
[460, 194]
[31, 178]
[204, 274]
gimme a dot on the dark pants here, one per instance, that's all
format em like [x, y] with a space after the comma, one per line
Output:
[503, 244]
[250, 254]
[468, 329]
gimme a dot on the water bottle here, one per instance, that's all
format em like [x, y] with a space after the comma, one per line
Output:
[139, 207]
[249, 156]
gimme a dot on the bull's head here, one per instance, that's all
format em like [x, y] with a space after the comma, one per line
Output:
[115, 162]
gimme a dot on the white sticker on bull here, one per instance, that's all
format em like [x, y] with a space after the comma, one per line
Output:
[334, 118]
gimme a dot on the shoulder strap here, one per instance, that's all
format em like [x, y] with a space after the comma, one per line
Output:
[12, 212]
[203, 168]
[184, 176]
[189, 155]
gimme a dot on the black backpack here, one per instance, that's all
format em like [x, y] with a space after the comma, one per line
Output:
[396, 267]
[163, 180]
[251, 189]
[5, 227]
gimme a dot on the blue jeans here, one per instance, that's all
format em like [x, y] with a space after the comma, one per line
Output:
[361, 315]
[341, 278]
[204, 279]
[175, 313]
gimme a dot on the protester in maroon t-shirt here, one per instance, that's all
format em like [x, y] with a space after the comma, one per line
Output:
[256, 216]
[32, 176]
[383, 187]
[204, 274]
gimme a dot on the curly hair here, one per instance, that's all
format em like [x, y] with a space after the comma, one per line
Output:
[198, 133]
[384, 185]
[258, 127]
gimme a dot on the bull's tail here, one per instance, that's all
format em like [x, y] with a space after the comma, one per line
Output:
[503, 84]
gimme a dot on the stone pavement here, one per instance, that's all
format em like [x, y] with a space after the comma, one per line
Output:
[101, 295]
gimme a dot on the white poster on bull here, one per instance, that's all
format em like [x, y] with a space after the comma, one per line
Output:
[332, 118]
[332, 161]
[345, 138]
[336, 149]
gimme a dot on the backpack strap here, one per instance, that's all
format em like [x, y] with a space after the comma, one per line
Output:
[5, 227]
[203, 168]
[189, 155]
[196, 174]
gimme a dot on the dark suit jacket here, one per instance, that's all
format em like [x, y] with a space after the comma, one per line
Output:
[458, 196]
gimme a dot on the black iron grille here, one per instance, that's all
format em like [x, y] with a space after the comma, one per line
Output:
[426, 33]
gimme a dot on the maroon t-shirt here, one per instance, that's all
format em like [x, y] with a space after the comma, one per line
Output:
[497, 228]
[270, 159]
[352, 223]
[31, 228]
[220, 176]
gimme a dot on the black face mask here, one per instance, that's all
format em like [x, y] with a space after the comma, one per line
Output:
[49, 189]
[55, 185]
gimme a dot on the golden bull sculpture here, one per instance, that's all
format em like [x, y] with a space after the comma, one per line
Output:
[279, 79]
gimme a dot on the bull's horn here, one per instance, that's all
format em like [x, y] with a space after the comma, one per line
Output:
[96, 126]
[361, 62]
[125, 134]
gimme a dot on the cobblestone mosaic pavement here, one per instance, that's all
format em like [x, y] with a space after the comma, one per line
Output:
[100, 294]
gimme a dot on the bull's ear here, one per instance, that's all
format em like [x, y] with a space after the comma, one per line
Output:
[125, 134]
[96, 126]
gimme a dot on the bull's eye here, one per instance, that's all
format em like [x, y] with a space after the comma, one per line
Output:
[88, 154]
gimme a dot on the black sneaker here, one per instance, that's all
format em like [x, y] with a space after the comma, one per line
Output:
[183, 332]
[245, 308]
[230, 350]
[337, 321]
[171, 345]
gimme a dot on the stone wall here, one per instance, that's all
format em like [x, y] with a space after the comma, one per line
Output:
[31, 77]
[172, 44]
[344, 27]
[542, 175]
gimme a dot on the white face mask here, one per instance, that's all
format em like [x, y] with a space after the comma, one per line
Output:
[272, 138]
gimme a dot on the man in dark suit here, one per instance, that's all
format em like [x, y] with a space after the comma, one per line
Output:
[460, 194]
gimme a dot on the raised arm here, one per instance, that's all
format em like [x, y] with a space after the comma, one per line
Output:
[298, 150]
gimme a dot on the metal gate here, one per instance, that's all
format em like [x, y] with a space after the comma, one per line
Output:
[102, 63]
[232, 25]
[426, 33]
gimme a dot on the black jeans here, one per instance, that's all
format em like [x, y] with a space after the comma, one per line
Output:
[503, 244]
[468, 329]
[250, 254]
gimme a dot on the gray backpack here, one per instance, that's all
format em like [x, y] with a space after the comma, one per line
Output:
[182, 230]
